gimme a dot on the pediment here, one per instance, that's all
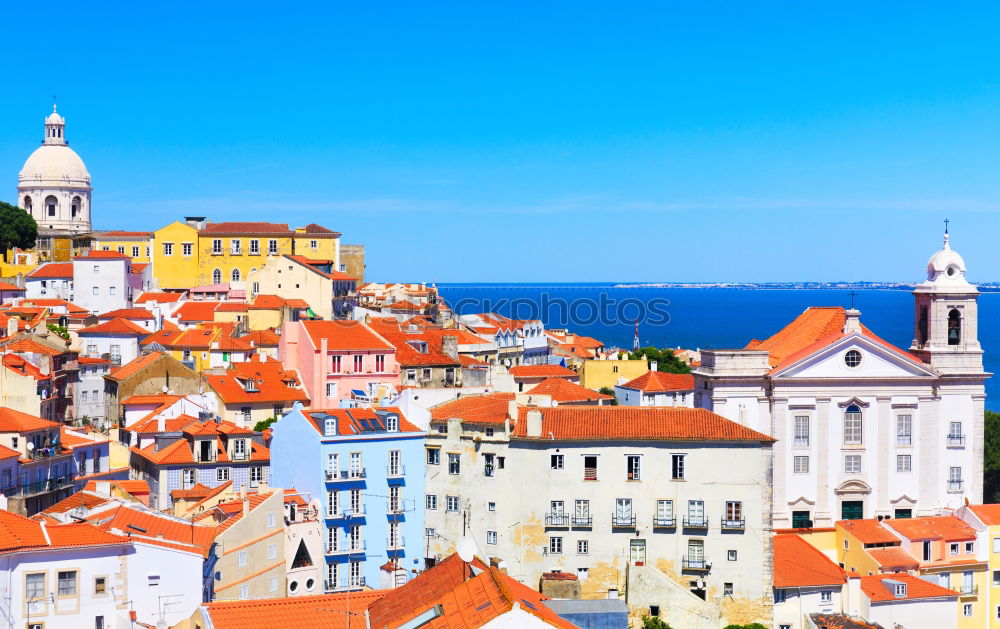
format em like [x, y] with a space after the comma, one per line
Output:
[853, 486]
[877, 362]
[904, 501]
[802, 501]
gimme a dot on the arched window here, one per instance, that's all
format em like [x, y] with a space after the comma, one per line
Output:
[852, 425]
[954, 327]
[75, 207]
[922, 325]
[50, 205]
[236, 275]
[27, 204]
[216, 276]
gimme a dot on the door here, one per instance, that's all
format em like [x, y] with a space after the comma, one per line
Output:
[623, 511]
[637, 551]
[852, 510]
[800, 520]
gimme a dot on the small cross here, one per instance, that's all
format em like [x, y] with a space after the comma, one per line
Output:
[946, 221]
[853, 295]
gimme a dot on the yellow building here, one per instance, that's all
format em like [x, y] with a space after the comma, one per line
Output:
[985, 519]
[136, 245]
[596, 374]
[199, 253]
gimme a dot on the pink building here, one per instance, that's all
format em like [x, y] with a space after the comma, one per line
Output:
[338, 358]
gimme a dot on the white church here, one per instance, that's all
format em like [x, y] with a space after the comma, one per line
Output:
[864, 428]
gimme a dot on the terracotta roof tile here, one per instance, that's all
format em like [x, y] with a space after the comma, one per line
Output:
[26, 345]
[16, 421]
[60, 270]
[313, 228]
[868, 531]
[116, 326]
[330, 611]
[160, 298]
[562, 390]
[118, 233]
[797, 563]
[344, 335]
[133, 314]
[542, 371]
[660, 382]
[946, 527]
[157, 528]
[241, 228]
[487, 409]
[348, 420]
[197, 311]
[142, 362]
[894, 558]
[988, 514]
[879, 588]
[100, 253]
[273, 383]
[636, 422]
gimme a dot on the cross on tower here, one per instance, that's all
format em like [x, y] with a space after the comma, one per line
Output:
[853, 295]
[946, 221]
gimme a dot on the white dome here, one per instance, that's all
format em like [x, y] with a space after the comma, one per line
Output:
[946, 261]
[54, 118]
[55, 164]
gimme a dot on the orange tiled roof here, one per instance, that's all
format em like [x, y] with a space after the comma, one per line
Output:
[344, 335]
[274, 383]
[197, 311]
[162, 298]
[20, 366]
[542, 371]
[60, 270]
[116, 326]
[150, 423]
[868, 531]
[879, 588]
[82, 499]
[90, 360]
[241, 228]
[70, 306]
[330, 611]
[118, 233]
[100, 253]
[348, 420]
[263, 338]
[313, 228]
[267, 302]
[988, 514]
[16, 421]
[636, 422]
[26, 345]
[6, 287]
[661, 382]
[140, 487]
[130, 369]
[8, 453]
[894, 558]
[797, 563]
[562, 390]
[945, 527]
[18, 532]
[159, 528]
[487, 409]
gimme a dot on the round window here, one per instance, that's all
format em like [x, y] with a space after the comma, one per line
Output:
[294, 585]
[310, 584]
[852, 358]
[951, 271]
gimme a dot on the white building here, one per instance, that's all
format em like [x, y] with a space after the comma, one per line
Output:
[115, 339]
[107, 280]
[622, 497]
[54, 185]
[656, 388]
[864, 428]
[53, 280]
[90, 389]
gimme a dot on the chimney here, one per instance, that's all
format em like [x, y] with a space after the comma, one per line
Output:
[161, 423]
[449, 345]
[534, 419]
[157, 318]
[12, 326]
[45, 365]
[852, 321]
[653, 365]
[246, 504]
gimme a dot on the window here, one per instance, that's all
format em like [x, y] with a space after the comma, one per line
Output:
[168, 248]
[67, 582]
[779, 596]
[967, 609]
[852, 358]
[489, 464]
[852, 425]
[500, 462]
[826, 596]
[734, 514]
[664, 513]
[222, 474]
[241, 558]
[953, 548]
[904, 430]
[355, 501]
[677, 466]
[452, 503]
[954, 326]
[555, 545]
[217, 276]
[113, 290]
[395, 465]
[970, 547]
[852, 464]
[800, 465]
[244, 591]
[121, 250]
[996, 577]
[955, 436]
[902, 462]
[431, 502]
[433, 456]
[696, 553]
[582, 547]
[454, 463]
[217, 247]
[623, 515]
[696, 513]
[801, 430]
[590, 467]
[491, 506]
[256, 476]
[272, 247]
[731, 555]
[272, 551]
[272, 520]
[491, 538]
[557, 461]
[954, 478]
[430, 532]
[489, 432]
[100, 585]
[355, 469]
[235, 275]
[900, 590]
[186, 249]
[557, 513]
[188, 478]
[359, 362]
[254, 247]
[632, 467]
[727, 589]
[34, 586]
[273, 584]
[99, 622]
[332, 503]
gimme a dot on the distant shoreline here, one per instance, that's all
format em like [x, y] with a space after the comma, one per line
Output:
[989, 287]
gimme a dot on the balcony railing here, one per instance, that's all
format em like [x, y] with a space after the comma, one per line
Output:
[801, 441]
[583, 520]
[696, 522]
[347, 514]
[395, 510]
[733, 525]
[969, 590]
[345, 584]
[395, 544]
[395, 471]
[694, 564]
[347, 549]
[618, 521]
[557, 519]
[42, 486]
[345, 475]
[955, 485]
[956, 440]
[47, 452]
[664, 522]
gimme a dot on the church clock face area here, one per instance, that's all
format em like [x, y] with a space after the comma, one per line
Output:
[54, 185]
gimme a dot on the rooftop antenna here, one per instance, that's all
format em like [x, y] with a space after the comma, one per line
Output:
[853, 295]
[635, 339]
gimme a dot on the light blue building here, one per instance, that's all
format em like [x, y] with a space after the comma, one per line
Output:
[367, 468]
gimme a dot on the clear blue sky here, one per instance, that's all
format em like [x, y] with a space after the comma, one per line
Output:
[537, 141]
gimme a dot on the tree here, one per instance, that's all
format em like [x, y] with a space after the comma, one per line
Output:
[652, 622]
[264, 424]
[666, 360]
[991, 458]
[609, 391]
[17, 229]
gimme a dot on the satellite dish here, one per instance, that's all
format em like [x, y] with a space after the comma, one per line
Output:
[466, 548]
[30, 446]
[164, 388]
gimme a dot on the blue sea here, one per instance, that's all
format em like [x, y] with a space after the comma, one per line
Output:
[713, 318]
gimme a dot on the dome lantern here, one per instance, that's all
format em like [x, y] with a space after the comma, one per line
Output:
[55, 127]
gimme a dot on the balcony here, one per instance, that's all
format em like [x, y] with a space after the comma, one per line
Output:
[955, 485]
[733, 525]
[43, 486]
[699, 565]
[956, 441]
[37, 454]
[395, 471]
[557, 519]
[395, 544]
[664, 522]
[347, 549]
[696, 522]
[344, 585]
[333, 476]
[968, 590]
[583, 520]
[347, 514]
[801, 442]
[394, 510]
[622, 521]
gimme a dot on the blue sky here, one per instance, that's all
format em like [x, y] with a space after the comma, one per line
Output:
[537, 141]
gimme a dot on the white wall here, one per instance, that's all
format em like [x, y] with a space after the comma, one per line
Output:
[101, 284]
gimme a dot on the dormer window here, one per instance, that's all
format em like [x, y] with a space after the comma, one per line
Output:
[330, 426]
[392, 423]
[250, 385]
[899, 589]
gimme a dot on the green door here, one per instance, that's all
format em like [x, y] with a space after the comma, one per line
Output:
[852, 510]
[903, 513]
[800, 520]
